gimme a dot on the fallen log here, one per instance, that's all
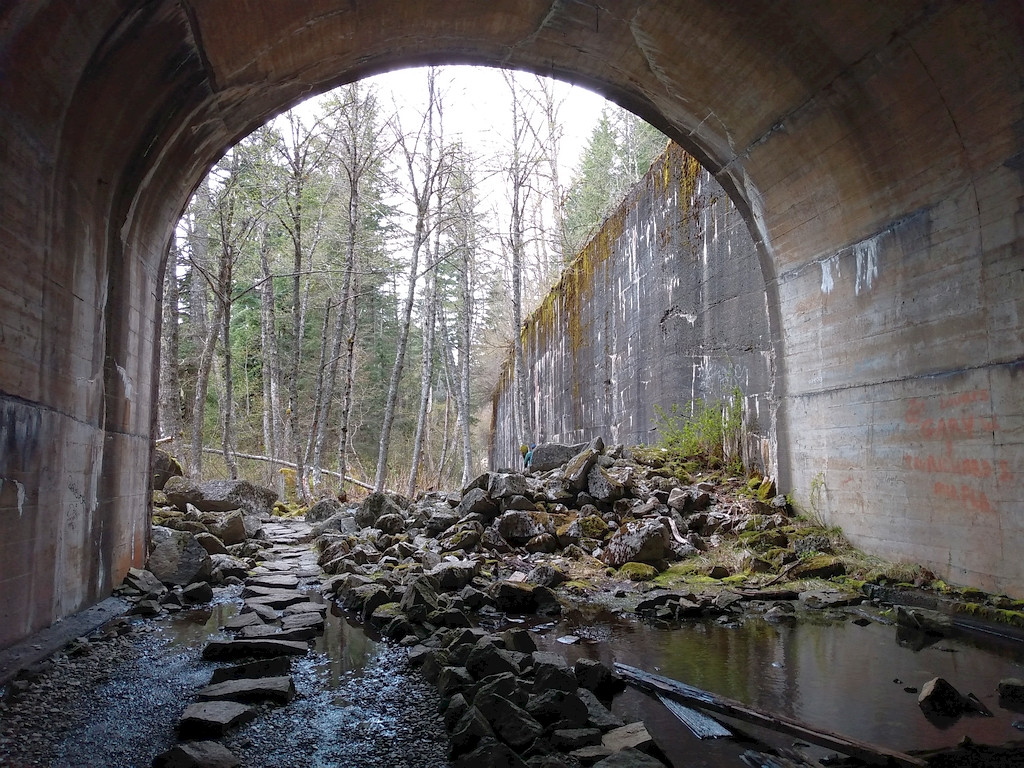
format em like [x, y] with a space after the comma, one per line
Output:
[664, 686]
[282, 462]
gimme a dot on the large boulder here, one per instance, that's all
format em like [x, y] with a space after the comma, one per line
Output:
[177, 558]
[518, 526]
[229, 527]
[375, 506]
[220, 496]
[641, 541]
[165, 467]
[322, 510]
[553, 455]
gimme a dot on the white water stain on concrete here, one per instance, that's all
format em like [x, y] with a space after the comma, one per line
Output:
[20, 489]
[866, 253]
[126, 382]
[827, 265]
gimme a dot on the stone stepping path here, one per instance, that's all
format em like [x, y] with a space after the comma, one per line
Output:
[275, 624]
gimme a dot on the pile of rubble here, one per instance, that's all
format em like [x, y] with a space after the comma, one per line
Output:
[203, 535]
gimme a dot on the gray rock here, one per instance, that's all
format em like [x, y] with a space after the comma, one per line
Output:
[165, 467]
[344, 522]
[440, 521]
[322, 510]
[220, 496]
[213, 718]
[562, 707]
[375, 506]
[631, 736]
[275, 666]
[502, 485]
[148, 608]
[547, 456]
[642, 541]
[519, 526]
[453, 576]
[546, 576]
[145, 582]
[506, 685]
[278, 689]
[226, 565]
[598, 677]
[476, 501]
[229, 527]
[1011, 690]
[462, 537]
[568, 739]
[939, 697]
[177, 558]
[629, 758]
[492, 753]
[233, 649]
[513, 724]
[197, 592]
[578, 469]
[486, 660]
[211, 543]
[197, 754]
[469, 730]
[598, 715]
[391, 523]
[602, 486]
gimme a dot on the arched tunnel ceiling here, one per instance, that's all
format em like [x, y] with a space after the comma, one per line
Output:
[876, 149]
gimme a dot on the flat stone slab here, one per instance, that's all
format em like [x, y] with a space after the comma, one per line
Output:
[633, 735]
[307, 607]
[213, 718]
[306, 632]
[243, 620]
[829, 598]
[278, 600]
[265, 612]
[197, 754]
[279, 689]
[260, 592]
[233, 649]
[296, 620]
[276, 580]
[275, 666]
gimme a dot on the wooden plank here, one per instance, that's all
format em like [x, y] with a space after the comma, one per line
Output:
[702, 726]
[869, 753]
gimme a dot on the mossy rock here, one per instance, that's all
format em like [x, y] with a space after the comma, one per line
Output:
[593, 527]
[754, 564]
[819, 567]
[763, 541]
[638, 572]
[735, 579]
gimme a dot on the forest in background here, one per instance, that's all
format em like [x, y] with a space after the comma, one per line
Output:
[345, 283]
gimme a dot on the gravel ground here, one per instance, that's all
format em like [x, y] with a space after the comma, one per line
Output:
[385, 715]
[113, 702]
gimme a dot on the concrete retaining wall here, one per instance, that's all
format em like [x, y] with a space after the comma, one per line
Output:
[665, 305]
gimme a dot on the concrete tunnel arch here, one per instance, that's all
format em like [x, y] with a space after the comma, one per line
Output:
[877, 151]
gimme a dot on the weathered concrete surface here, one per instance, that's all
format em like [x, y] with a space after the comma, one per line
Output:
[666, 304]
[884, 135]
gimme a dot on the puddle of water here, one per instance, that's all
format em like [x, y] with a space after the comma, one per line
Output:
[347, 648]
[836, 676]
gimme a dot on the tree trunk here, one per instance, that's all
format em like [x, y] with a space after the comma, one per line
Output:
[170, 378]
[426, 378]
[274, 437]
[422, 195]
[320, 394]
[344, 434]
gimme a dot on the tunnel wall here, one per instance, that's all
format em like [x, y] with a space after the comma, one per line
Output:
[666, 304]
[875, 151]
